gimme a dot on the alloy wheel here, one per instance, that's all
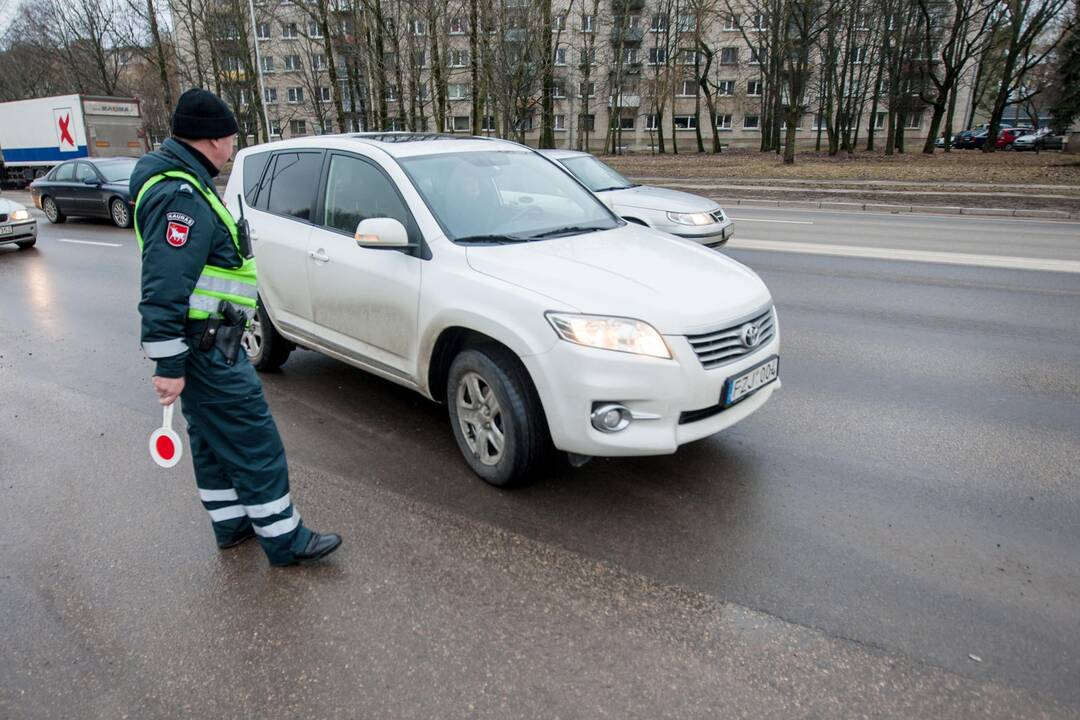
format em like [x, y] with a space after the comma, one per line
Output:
[481, 418]
[252, 340]
[120, 213]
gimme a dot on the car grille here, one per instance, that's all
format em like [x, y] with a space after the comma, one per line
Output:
[721, 347]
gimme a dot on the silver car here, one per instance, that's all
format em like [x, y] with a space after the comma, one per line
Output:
[681, 214]
[16, 224]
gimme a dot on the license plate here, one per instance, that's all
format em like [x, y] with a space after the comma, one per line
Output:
[5, 229]
[739, 387]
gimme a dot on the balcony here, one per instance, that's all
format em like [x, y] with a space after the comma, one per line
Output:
[624, 101]
[627, 36]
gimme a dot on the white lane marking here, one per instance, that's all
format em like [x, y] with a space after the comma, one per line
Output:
[89, 242]
[937, 216]
[927, 256]
[788, 222]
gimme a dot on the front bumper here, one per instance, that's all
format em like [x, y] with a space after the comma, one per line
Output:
[24, 230]
[713, 235]
[570, 379]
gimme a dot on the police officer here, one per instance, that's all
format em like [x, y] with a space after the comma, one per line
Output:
[198, 293]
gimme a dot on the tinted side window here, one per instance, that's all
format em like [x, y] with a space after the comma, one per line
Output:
[65, 173]
[85, 172]
[357, 190]
[253, 172]
[294, 183]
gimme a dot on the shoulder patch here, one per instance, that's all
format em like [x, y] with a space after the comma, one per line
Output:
[176, 232]
[180, 218]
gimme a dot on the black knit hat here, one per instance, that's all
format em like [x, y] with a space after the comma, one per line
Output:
[202, 114]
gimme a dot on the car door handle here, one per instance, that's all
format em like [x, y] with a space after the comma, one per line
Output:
[319, 255]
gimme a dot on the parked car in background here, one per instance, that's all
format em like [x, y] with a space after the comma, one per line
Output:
[681, 214]
[1042, 139]
[16, 224]
[480, 274]
[86, 188]
[1007, 136]
[964, 139]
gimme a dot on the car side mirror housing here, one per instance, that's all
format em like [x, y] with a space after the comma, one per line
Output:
[382, 233]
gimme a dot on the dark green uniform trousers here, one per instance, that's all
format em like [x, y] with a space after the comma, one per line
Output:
[239, 460]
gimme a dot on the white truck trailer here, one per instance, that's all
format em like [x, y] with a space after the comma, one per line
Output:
[39, 133]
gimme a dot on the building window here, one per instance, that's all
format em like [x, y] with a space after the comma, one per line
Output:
[751, 122]
[268, 63]
[232, 64]
[753, 88]
[558, 23]
[558, 89]
[390, 92]
[587, 122]
[458, 123]
[292, 62]
[624, 123]
[862, 20]
[659, 23]
[912, 120]
[525, 124]
[289, 31]
[422, 92]
[685, 122]
[459, 58]
[587, 89]
[314, 30]
[755, 56]
[457, 26]
[723, 122]
[759, 21]
[263, 31]
[725, 87]
[324, 94]
[688, 88]
[418, 27]
[689, 56]
[243, 96]
[729, 56]
[318, 62]
[560, 122]
[588, 57]
[298, 127]
[587, 23]
[731, 22]
[560, 55]
[458, 91]
[419, 58]
[687, 23]
[295, 95]
[657, 56]
[488, 123]
[275, 127]
[270, 96]
[858, 55]
[652, 122]
[879, 120]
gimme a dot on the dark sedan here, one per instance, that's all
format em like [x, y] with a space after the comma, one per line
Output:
[90, 187]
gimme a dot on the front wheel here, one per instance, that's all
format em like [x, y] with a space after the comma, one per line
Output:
[496, 416]
[266, 348]
[120, 213]
[1008, 146]
[52, 211]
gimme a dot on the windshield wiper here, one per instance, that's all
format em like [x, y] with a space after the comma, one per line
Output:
[568, 230]
[491, 239]
[614, 187]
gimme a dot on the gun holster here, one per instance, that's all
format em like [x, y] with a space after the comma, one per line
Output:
[225, 332]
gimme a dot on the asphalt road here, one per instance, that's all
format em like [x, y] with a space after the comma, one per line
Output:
[895, 534]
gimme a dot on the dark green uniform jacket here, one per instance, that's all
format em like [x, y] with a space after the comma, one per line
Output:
[181, 234]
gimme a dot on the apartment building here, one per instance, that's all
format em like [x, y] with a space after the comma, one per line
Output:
[623, 75]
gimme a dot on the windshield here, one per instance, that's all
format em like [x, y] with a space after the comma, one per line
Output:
[596, 175]
[504, 195]
[116, 171]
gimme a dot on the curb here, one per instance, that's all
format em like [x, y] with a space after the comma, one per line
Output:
[877, 207]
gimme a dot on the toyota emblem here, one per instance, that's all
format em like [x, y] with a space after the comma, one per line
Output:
[751, 335]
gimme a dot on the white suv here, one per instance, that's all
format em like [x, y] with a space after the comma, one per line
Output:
[480, 274]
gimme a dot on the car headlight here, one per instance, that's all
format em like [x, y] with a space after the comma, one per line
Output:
[610, 333]
[20, 215]
[691, 218]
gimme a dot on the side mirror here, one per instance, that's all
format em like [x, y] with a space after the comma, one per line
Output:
[382, 233]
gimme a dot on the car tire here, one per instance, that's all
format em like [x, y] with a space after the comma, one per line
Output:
[120, 212]
[26, 244]
[266, 348]
[1008, 146]
[489, 390]
[52, 210]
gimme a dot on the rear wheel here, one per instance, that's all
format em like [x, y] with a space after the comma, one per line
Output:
[266, 348]
[120, 213]
[52, 210]
[496, 416]
[1008, 146]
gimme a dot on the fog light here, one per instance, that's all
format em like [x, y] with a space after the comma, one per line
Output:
[610, 417]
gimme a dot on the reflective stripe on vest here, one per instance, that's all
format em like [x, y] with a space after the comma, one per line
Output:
[236, 285]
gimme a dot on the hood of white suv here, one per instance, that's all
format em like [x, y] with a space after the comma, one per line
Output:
[677, 286]
[649, 197]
